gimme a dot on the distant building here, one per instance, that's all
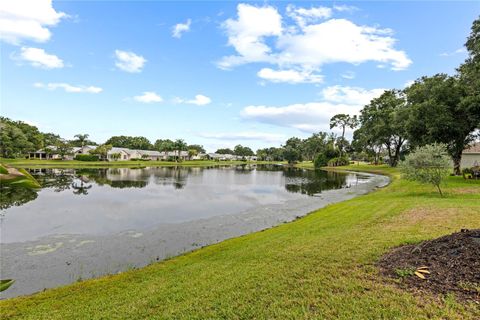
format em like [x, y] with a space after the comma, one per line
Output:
[125, 154]
[471, 156]
[50, 152]
[229, 157]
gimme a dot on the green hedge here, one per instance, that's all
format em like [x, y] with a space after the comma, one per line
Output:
[86, 157]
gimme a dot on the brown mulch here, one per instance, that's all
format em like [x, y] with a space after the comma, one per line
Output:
[453, 262]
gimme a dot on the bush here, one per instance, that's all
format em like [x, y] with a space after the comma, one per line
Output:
[467, 173]
[428, 164]
[86, 157]
[321, 160]
[340, 161]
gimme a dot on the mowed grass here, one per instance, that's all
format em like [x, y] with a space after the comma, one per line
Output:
[27, 163]
[319, 267]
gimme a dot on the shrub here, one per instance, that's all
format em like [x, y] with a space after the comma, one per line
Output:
[467, 173]
[428, 164]
[86, 157]
[340, 161]
[321, 160]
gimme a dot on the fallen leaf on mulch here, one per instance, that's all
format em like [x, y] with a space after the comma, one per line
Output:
[450, 264]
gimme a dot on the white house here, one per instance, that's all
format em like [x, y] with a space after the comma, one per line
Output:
[229, 157]
[124, 154]
[50, 152]
[471, 156]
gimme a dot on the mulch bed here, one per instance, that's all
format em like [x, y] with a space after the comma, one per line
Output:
[453, 262]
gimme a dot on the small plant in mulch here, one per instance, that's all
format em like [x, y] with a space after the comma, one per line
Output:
[450, 264]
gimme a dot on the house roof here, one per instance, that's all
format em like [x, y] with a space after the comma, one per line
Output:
[149, 152]
[473, 148]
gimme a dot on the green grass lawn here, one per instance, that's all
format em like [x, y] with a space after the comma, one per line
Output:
[319, 267]
[26, 163]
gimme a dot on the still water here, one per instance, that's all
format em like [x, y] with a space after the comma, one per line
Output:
[105, 201]
[88, 222]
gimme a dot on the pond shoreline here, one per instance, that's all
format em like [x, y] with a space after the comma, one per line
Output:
[58, 260]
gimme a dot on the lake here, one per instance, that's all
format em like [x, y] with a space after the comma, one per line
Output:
[85, 223]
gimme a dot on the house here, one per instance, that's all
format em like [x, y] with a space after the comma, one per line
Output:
[170, 155]
[229, 157]
[125, 154]
[471, 156]
[50, 152]
[200, 156]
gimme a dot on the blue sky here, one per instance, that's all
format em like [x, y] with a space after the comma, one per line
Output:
[216, 73]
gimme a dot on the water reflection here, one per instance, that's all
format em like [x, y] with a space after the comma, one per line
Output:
[15, 196]
[79, 181]
[106, 201]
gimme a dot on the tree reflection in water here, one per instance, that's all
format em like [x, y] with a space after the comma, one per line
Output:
[313, 182]
[80, 181]
[11, 196]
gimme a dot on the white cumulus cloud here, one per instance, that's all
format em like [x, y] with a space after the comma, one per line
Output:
[199, 100]
[27, 20]
[247, 34]
[148, 97]
[260, 35]
[180, 28]
[303, 16]
[68, 87]
[350, 95]
[129, 61]
[39, 58]
[289, 76]
[313, 116]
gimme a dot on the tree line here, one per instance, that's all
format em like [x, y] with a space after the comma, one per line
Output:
[437, 109]
[434, 109]
[440, 109]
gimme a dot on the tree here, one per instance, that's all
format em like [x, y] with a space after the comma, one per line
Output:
[14, 143]
[81, 139]
[179, 146]
[292, 150]
[270, 154]
[224, 151]
[383, 123]
[192, 153]
[63, 148]
[442, 112]
[197, 147]
[242, 151]
[428, 164]
[164, 145]
[140, 143]
[102, 151]
[314, 145]
[343, 121]
[50, 139]
[364, 143]
[115, 156]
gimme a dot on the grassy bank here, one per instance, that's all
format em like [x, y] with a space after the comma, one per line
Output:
[26, 163]
[318, 267]
[18, 177]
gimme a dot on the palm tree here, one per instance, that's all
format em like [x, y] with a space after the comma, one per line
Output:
[343, 121]
[180, 146]
[82, 138]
